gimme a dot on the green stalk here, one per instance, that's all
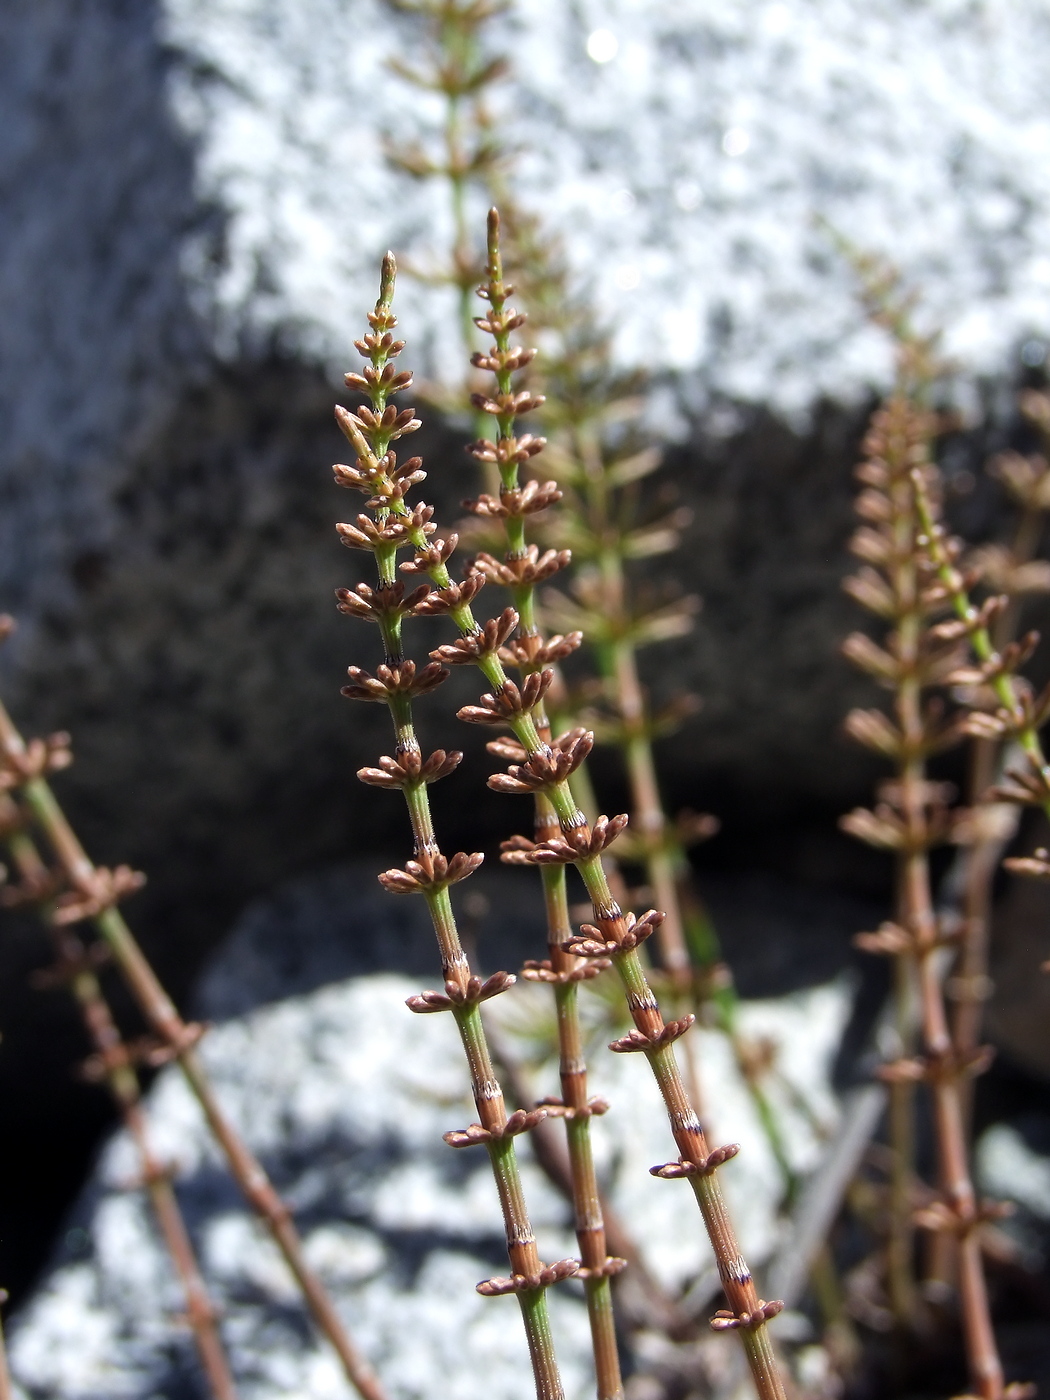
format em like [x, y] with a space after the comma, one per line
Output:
[564, 969]
[430, 873]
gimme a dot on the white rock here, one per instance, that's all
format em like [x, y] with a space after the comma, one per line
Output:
[345, 1094]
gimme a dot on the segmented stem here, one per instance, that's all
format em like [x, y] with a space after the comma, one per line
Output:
[528, 1280]
[563, 965]
[115, 1061]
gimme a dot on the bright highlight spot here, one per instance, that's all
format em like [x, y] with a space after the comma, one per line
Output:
[623, 201]
[602, 46]
[687, 194]
[627, 277]
[736, 141]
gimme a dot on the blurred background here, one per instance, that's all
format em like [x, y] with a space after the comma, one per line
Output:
[194, 198]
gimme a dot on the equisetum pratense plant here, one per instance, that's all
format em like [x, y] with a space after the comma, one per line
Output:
[392, 525]
[602, 517]
[613, 935]
[114, 1061]
[25, 769]
[525, 648]
[910, 575]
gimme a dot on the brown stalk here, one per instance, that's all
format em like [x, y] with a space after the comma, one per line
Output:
[114, 1061]
[528, 650]
[900, 583]
[1014, 573]
[392, 526]
[614, 936]
[94, 894]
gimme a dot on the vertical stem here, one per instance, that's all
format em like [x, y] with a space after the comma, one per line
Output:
[565, 967]
[737, 1282]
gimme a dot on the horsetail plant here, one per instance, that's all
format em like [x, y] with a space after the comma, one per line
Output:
[545, 768]
[601, 518]
[390, 527]
[115, 1062]
[529, 652]
[91, 894]
[907, 578]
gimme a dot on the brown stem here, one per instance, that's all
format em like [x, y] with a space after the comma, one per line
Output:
[180, 1038]
[115, 1061]
[944, 1069]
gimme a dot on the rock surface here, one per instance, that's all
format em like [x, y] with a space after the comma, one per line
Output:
[345, 1095]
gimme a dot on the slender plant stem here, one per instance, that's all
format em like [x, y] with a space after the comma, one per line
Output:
[180, 1038]
[115, 1061]
[429, 872]
[909, 546]
[563, 969]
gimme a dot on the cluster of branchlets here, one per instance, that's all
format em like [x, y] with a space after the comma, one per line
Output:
[576, 841]
[390, 527]
[522, 646]
[911, 575]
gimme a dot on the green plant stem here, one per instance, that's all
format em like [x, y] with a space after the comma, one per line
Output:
[115, 1062]
[587, 1206]
[527, 1269]
[980, 639]
[161, 1015]
[734, 1274]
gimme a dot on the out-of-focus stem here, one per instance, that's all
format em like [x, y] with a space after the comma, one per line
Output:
[115, 1062]
[163, 1018]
